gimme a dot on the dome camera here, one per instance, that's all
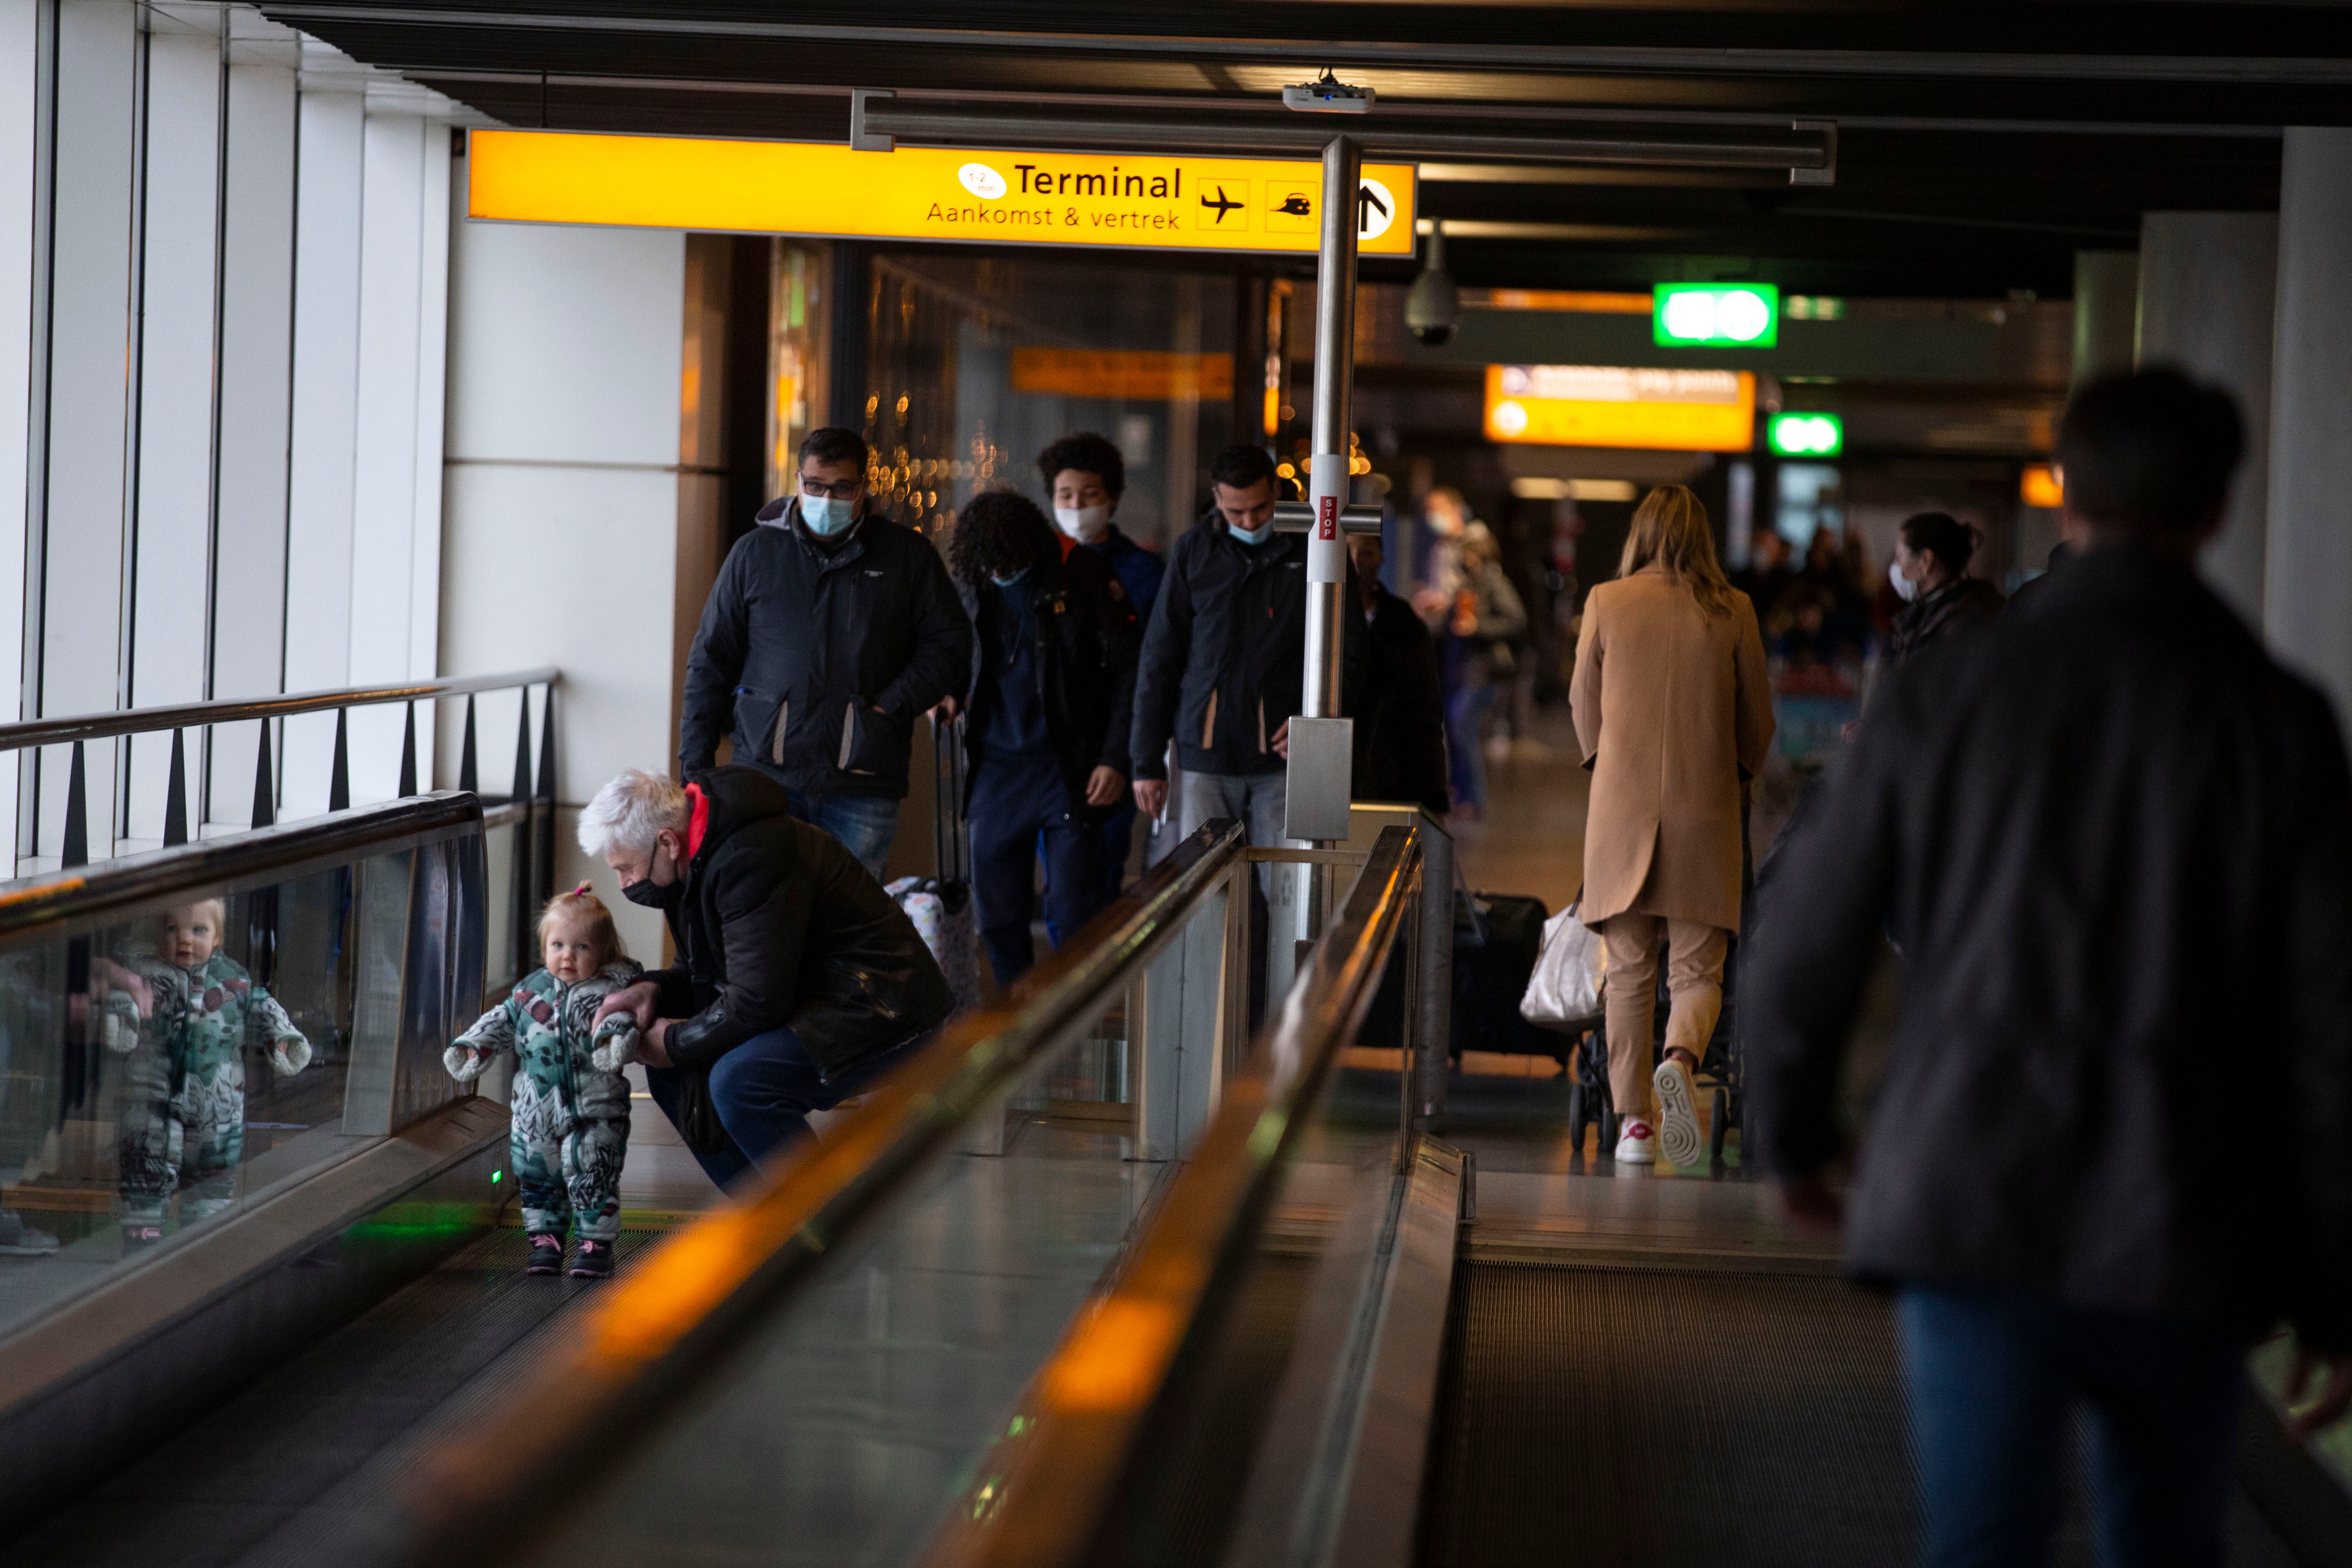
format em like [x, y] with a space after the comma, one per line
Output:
[1432, 309]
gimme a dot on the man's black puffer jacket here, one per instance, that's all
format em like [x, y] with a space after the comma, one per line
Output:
[780, 925]
[815, 660]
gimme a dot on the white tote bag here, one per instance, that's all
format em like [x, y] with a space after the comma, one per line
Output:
[1565, 986]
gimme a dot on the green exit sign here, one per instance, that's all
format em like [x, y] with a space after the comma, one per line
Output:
[1716, 315]
[1805, 435]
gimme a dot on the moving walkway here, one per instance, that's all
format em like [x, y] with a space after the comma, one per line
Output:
[1241, 1310]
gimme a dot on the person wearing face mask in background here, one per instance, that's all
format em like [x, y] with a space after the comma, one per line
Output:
[1224, 655]
[1085, 477]
[1053, 689]
[829, 629]
[1929, 574]
[798, 980]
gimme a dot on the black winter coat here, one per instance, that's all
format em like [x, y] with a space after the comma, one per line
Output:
[1956, 607]
[1223, 660]
[1400, 732]
[1087, 644]
[2113, 842]
[816, 665]
[778, 924]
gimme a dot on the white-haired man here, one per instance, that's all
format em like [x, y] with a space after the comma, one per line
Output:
[797, 977]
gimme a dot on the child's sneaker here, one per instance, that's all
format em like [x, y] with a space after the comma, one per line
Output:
[546, 1256]
[594, 1261]
[135, 1237]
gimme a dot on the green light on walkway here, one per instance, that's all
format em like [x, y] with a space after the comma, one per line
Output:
[1716, 315]
[1805, 435]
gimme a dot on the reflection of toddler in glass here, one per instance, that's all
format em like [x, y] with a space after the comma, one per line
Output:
[570, 1103]
[184, 1117]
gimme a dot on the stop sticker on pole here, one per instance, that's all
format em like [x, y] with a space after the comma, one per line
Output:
[1327, 488]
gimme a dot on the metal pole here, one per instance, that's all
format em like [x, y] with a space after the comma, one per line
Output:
[1335, 365]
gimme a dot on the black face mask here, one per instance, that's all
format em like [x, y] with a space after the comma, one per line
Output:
[653, 895]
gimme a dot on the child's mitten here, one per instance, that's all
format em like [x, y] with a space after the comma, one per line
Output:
[616, 1043]
[289, 1054]
[465, 1063]
[118, 1023]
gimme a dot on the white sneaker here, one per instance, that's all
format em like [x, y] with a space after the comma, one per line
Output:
[1634, 1144]
[1678, 1113]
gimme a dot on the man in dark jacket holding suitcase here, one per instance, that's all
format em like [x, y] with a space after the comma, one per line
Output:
[2112, 841]
[830, 630]
[798, 979]
[1223, 660]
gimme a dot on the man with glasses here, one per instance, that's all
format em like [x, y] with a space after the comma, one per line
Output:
[829, 629]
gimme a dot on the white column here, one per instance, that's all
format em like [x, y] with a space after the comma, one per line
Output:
[2307, 575]
[255, 409]
[172, 512]
[82, 515]
[2207, 291]
[324, 432]
[562, 496]
[19, 93]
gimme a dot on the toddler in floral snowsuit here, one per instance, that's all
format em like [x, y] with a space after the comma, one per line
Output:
[570, 1103]
[184, 1115]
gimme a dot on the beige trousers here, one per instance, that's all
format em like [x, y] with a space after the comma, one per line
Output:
[1694, 983]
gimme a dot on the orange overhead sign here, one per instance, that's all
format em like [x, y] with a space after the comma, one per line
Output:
[1609, 405]
[925, 193]
[1137, 375]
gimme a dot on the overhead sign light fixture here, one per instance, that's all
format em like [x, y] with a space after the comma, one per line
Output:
[826, 190]
[1716, 315]
[1805, 435]
[1611, 406]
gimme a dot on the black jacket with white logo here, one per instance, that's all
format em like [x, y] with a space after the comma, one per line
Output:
[1223, 658]
[815, 659]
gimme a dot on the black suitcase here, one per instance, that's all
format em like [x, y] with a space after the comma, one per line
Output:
[1496, 939]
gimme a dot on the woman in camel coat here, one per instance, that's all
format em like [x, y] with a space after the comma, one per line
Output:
[1673, 717]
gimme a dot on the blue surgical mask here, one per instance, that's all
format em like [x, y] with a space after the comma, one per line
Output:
[1008, 582]
[826, 517]
[1250, 536]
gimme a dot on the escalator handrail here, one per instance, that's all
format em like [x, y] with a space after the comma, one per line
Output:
[70, 727]
[1044, 1494]
[685, 1301]
[67, 902]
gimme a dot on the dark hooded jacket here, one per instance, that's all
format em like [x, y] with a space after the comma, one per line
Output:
[1401, 730]
[1957, 606]
[2112, 841]
[777, 925]
[815, 661]
[1087, 638]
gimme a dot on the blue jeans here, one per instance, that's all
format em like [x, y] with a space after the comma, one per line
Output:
[764, 1090]
[1992, 1378]
[1117, 835]
[1020, 808]
[863, 824]
[1465, 714]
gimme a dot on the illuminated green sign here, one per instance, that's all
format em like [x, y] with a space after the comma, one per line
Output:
[1716, 315]
[1805, 435]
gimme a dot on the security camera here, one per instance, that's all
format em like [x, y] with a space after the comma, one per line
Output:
[1433, 307]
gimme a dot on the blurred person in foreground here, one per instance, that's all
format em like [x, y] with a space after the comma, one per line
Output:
[1400, 734]
[2112, 841]
[1674, 716]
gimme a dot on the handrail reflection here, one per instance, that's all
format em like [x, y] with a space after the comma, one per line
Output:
[686, 1299]
[1049, 1489]
[60, 902]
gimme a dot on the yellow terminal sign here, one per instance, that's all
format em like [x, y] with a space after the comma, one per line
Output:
[922, 193]
[1609, 405]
